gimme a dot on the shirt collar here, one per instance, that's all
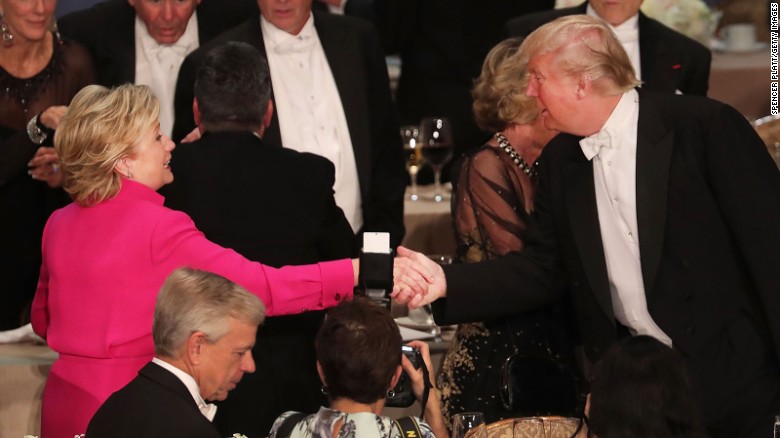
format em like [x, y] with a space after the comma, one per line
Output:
[207, 409]
[631, 24]
[609, 134]
[273, 36]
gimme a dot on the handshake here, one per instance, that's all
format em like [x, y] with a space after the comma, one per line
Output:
[416, 279]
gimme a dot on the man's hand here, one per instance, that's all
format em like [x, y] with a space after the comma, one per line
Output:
[417, 280]
[192, 136]
[51, 116]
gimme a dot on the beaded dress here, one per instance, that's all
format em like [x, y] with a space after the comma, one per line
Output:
[25, 204]
[491, 208]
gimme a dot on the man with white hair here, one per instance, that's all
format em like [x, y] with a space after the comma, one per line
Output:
[145, 41]
[656, 215]
[204, 329]
[663, 59]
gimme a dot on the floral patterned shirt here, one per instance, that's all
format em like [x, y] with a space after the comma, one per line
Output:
[363, 425]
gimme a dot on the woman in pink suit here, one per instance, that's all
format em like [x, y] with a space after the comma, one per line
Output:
[106, 255]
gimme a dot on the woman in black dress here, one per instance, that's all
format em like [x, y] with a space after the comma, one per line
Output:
[39, 74]
[492, 205]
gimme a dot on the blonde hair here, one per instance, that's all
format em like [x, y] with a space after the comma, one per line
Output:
[585, 47]
[499, 91]
[191, 300]
[101, 127]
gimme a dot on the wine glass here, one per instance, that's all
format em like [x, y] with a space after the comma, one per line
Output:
[413, 155]
[436, 145]
[469, 424]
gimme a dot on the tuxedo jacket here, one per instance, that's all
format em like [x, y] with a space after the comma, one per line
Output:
[708, 208]
[670, 61]
[356, 60]
[107, 30]
[154, 404]
[249, 195]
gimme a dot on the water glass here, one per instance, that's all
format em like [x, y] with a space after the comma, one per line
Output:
[469, 425]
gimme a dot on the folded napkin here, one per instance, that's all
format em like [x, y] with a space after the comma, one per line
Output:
[24, 333]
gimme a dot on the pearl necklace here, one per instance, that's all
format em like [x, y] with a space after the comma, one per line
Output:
[503, 143]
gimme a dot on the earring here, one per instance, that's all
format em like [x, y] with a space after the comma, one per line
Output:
[8, 38]
[324, 390]
[390, 393]
[56, 31]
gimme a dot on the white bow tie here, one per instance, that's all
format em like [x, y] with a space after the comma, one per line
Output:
[298, 44]
[591, 145]
[163, 52]
[209, 410]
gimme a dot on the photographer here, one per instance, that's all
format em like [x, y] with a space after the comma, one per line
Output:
[359, 361]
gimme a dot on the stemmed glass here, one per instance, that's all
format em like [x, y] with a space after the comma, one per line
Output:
[469, 424]
[413, 155]
[436, 144]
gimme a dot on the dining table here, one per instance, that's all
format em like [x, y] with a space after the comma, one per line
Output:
[23, 371]
[428, 223]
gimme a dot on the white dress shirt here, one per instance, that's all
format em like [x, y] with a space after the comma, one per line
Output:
[627, 33]
[157, 65]
[207, 409]
[308, 105]
[613, 152]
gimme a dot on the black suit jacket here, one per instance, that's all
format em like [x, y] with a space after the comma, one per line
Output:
[154, 404]
[355, 58]
[708, 205]
[670, 61]
[249, 195]
[107, 30]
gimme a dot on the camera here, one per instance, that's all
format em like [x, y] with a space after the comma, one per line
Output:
[402, 395]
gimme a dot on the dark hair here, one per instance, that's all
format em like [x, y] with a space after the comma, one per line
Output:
[641, 389]
[359, 349]
[232, 87]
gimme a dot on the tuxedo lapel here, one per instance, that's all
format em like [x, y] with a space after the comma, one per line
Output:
[253, 34]
[581, 205]
[165, 378]
[654, 150]
[659, 70]
[338, 48]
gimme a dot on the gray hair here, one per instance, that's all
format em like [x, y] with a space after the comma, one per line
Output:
[192, 300]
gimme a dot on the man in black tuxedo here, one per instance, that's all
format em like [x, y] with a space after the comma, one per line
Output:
[125, 38]
[246, 194]
[204, 328]
[661, 221]
[332, 98]
[668, 60]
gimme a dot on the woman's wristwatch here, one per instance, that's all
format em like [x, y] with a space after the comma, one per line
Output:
[37, 132]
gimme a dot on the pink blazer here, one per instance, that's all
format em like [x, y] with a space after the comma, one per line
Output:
[102, 268]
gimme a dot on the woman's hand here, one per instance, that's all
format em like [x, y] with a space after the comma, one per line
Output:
[417, 280]
[433, 415]
[45, 166]
[51, 116]
[416, 375]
